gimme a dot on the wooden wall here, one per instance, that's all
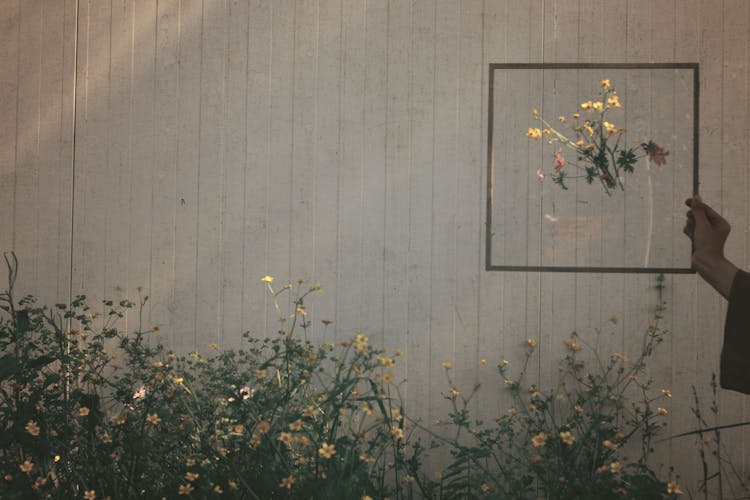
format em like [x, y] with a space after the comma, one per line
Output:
[193, 147]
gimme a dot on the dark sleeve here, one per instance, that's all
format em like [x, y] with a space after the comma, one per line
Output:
[735, 353]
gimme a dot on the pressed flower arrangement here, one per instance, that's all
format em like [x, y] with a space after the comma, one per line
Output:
[595, 143]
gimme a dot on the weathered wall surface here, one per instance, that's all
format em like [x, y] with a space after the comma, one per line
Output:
[193, 147]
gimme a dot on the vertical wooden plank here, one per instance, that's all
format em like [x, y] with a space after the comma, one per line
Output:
[734, 162]
[27, 155]
[165, 200]
[398, 159]
[91, 197]
[682, 306]
[10, 25]
[303, 170]
[444, 204]
[54, 186]
[468, 193]
[490, 283]
[357, 26]
[118, 167]
[374, 162]
[281, 146]
[257, 176]
[183, 338]
[710, 305]
[328, 90]
[558, 297]
[421, 388]
[208, 309]
[142, 148]
[233, 183]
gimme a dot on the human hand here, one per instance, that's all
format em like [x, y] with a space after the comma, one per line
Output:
[709, 232]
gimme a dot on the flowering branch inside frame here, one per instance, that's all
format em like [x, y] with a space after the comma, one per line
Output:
[595, 142]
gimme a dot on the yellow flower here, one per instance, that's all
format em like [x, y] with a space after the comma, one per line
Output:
[267, 279]
[534, 111]
[366, 458]
[385, 361]
[218, 490]
[614, 101]
[396, 415]
[26, 466]
[666, 393]
[366, 497]
[286, 438]
[576, 116]
[662, 411]
[213, 345]
[597, 106]
[483, 361]
[105, 438]
[185, 489]
[447, 365]
[397, 432]
[191, 476]
[32, 428]
[586, 105]
[153, 418]
[189, 462]
[407, 478]
[157, 364]
[261, 373]
[567, 438]
[398, 353]
[455, 392]
[605, 84]
[308, 412]
[620, 356]
[367, 409]
[301, 440]
[57, 458]
[263, 427]
[505, 362]
[539, 440]
[615, 467]
[233, 485]
[485, 487]
[287, 482]
[534, 133]
[531, 342]
[561, 119]
[610, 128]
[388, 377]
[83, 411]
[610, 445]
[296, 425]
[674, 489]
[90, 495]
[301, 310]
[327, 450]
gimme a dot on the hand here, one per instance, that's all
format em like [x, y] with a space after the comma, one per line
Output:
[709, 232]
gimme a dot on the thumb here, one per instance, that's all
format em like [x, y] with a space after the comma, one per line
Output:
[700, 212]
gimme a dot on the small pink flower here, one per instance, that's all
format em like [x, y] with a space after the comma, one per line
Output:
[140, 393]
[656, 154]
[540, 174]
[559, 160]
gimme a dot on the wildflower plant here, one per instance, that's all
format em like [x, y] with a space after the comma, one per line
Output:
[91, 412]
[589, 437]
[596, 143]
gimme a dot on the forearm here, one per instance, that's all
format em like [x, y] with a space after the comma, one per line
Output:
[719, 273]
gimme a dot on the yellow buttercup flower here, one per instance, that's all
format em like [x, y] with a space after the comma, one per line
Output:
[615, 467]
[385, 361]
[327, 450]
[185, 489]
[191, 476]
[610, 445]
[286, 438]
[567, 438]
[153, 418]
[287, 482]
[666, 393]
[447, 365]
[26, 466]
[597, 106]
[586, 105]
[674, 489]
[32, 428]
[606, 84]
[397, 432]
[296, 425]
[610, 128]
[267, 279]
[531, 342]
[539, 440]
[89, 495]
[534, 133]
[263, 426]
[662, 411]
[83, 411]
[614, 101]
